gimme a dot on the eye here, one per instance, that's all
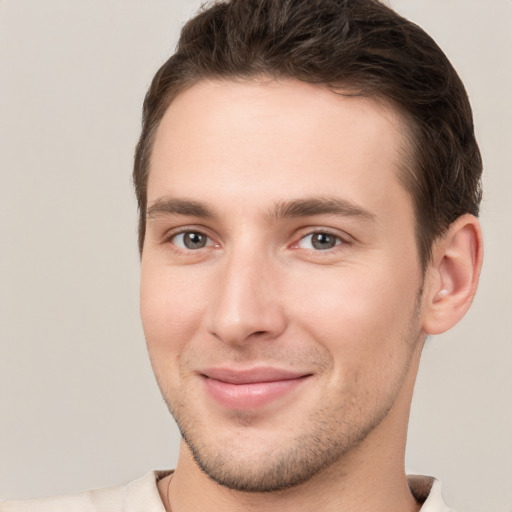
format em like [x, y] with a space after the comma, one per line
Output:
[191, 240]
[319, 241]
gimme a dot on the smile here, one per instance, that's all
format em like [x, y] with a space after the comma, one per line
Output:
[249, 389]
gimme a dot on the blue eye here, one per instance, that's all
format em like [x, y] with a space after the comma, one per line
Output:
[191, 240]
[319, 241]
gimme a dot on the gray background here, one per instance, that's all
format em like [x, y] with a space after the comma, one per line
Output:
[78, 405]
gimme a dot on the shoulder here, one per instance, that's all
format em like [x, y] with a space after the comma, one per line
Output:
[427, 490]
[138, 496]
[92, 501]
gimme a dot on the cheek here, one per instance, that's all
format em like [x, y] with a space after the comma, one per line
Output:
[360, 315]
[367, 327]
[171, 306]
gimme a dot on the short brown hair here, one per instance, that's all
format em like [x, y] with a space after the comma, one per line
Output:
[360, 45]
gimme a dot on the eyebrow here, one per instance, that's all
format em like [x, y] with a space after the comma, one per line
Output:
[306, 207]
[320, 206]
[174, 206]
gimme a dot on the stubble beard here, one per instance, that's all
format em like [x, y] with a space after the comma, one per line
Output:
[327, 437]
[288, 466]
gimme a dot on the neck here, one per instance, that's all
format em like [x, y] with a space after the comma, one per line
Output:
[378, 486]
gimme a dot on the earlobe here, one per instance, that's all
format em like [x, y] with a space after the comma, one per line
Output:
[453, 275]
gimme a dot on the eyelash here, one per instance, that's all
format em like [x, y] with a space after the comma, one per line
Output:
[339, 240]
[172, 237]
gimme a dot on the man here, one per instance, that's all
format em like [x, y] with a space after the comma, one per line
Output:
[308, 183]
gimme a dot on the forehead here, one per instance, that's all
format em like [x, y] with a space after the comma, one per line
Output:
[273, 140]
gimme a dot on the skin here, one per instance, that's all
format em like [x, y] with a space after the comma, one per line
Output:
[255, 171]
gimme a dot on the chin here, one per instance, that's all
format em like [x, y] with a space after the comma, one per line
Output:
[247, 461]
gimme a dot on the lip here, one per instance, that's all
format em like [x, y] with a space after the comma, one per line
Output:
[250, 388]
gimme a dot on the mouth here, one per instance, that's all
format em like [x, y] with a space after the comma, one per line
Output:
[250, 388]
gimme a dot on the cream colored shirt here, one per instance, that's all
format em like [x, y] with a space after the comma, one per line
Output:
[142, 496]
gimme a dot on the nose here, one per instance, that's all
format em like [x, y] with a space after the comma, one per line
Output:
[247, 303]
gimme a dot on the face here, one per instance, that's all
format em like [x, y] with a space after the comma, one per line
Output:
[280, 277]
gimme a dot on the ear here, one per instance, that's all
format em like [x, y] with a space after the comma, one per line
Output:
[452, 276]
